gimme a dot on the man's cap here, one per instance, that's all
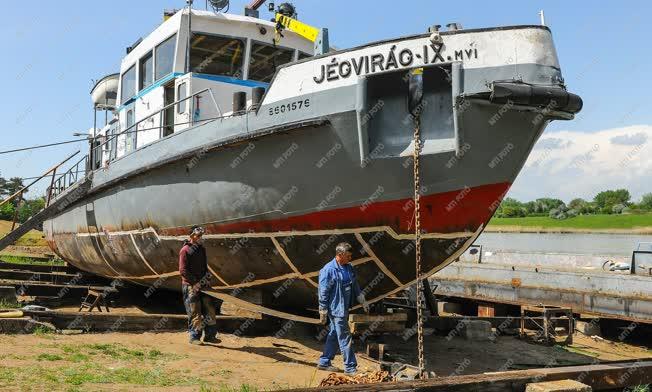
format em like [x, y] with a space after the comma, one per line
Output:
[197, 230]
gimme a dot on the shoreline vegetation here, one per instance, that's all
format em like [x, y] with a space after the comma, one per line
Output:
[588, 224]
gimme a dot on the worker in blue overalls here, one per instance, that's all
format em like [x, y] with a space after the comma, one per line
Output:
[337, 289]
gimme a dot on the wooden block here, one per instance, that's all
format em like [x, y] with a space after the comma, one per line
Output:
[8, 294]
[486, 310]
[558, 386]
[371, 318]
[376, 328]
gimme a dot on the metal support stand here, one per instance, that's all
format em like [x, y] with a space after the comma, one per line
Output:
[548, 329]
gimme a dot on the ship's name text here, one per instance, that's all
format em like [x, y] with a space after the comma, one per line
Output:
[395, 59]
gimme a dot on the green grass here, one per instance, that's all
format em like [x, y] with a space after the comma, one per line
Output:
[49, 357]
[9, 305]
[29, 260]
[639, 388]
[32, 238]
[82, 364]
[579, 222]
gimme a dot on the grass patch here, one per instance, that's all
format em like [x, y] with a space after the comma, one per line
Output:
[9, 305]
[42, 331]
[30, 260]
[32, 238]
[49, 357]
[629, 221]
[75, 376]
[639, 388]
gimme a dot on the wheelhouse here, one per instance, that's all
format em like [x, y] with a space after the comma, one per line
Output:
[165, 86]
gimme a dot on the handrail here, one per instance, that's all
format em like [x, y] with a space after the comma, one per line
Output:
[159, 112]
[69, 178]
[25, 188]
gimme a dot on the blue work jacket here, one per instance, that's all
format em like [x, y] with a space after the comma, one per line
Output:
[334, 294]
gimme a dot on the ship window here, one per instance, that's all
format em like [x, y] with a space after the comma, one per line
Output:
[146, 70]
[165, 57]
[265, 59]
[128, 84]
[215, 55]
[181, 94]
[304, 55]
[130, 139]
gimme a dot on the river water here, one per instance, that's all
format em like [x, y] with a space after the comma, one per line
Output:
[573, 243]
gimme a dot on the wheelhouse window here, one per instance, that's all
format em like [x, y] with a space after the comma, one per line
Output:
[130, 140]
[128, 84]
[146, 71]
[165, 54]
[215, 55]
[304, 55]
[265, 59]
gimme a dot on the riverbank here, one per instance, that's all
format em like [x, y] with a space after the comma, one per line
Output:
[598, 224]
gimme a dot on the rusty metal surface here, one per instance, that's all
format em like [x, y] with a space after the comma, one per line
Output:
[605, 294]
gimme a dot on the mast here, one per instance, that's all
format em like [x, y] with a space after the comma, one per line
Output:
[187, 67]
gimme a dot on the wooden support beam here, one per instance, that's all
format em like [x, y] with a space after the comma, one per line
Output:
[600, 377]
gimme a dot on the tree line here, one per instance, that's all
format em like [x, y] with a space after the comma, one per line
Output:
[607, 202]
[26, 209]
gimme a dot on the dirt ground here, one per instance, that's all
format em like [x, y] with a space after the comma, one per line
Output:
[165, 361]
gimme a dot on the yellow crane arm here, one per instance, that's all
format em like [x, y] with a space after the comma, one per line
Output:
[306, 31]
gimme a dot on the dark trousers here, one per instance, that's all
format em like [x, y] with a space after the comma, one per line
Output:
[201, 311]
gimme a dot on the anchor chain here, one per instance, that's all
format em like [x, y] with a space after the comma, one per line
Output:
[417, 242]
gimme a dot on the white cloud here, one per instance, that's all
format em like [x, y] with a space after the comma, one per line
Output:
[576, 164]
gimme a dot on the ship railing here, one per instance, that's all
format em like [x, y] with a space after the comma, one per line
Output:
[68, 178]
[101, 148]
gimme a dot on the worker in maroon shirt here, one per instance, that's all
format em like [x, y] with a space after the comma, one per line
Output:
[195, 276]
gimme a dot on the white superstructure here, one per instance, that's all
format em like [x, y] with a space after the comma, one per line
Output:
[228, 53]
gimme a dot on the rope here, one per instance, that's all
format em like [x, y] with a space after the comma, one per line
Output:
[417, 244]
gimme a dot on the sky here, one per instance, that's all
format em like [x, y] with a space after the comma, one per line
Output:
[52, 55]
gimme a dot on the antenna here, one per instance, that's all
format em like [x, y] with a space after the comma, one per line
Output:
[543, 18]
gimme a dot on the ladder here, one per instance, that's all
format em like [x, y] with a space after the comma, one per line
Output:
[65, 196]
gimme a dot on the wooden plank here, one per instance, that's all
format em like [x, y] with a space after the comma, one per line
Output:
[370, 318]
[358, 328]
[145, 322]
[600, 377]
[258, 308]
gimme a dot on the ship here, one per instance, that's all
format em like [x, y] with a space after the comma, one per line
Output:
[281, 147]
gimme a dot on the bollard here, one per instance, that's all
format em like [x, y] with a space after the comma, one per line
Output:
[257, 95]
[239, 102]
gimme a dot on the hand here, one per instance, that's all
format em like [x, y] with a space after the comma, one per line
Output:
[196, 287]
[323, 316]
[363, 301]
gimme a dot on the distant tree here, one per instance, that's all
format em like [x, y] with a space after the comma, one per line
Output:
[559, 212]
[607, 199]
[646, 202]
[7, 211]
[577, 204]
[545, 204]
[29, 208]
[510, 208]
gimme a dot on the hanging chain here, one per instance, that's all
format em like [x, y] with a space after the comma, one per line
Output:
[417, 242]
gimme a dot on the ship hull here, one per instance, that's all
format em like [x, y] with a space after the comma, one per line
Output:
[134, 231]
[277, 191]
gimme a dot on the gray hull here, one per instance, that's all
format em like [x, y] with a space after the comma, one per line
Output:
[277, 193]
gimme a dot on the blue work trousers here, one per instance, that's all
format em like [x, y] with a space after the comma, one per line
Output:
[339, 336]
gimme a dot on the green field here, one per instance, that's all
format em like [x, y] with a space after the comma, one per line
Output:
[33, 238]
[634, 222]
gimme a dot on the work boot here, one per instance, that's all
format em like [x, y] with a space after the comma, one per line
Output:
[329, 368]
[212, 339]
[352, 373]
[195, 342]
